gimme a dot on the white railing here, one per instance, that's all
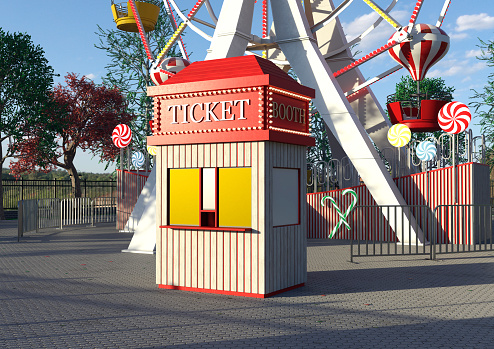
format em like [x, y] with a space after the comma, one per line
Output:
[57, 213]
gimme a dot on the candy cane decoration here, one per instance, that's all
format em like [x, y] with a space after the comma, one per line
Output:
[142, 33]
[342, 215]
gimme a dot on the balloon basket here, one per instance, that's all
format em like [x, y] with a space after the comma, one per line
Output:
[418, 119]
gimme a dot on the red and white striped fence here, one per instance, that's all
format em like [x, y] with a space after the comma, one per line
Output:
[469, 184]
[133, 182]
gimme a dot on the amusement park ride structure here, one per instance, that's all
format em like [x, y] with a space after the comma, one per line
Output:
[308, 37]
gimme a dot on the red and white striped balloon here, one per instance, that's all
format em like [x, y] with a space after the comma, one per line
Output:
[168, 68]
[454, 117]
[121, 136]
[428, 45]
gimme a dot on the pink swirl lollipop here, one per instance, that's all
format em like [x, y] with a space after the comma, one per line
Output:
[454, 117]
[121, 136]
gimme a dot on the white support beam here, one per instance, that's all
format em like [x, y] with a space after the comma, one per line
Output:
[299, 46]
[232, 33]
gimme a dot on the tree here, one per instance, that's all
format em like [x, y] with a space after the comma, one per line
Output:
[83, 116]
[321, 151]
[129, 67]
[25, 79]
[484, 100]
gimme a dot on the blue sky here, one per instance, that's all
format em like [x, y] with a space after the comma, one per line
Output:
[66, 31]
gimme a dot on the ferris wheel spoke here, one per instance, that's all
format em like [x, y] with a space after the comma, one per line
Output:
[383, 14]
[331, 16]
[187, 21]
[364, 34]
[211, 12]
[200, 21]
[140, 27]
[173, 21]
[443, 13]
[180, 29]
[373, 80]
[415, 13]
[366, 58]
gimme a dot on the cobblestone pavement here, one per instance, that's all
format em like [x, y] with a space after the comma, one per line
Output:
[75, 289]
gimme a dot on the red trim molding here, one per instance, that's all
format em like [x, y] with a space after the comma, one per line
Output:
[230, 293]
[191, 227]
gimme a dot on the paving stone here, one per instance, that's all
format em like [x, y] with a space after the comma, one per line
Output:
[73, 288]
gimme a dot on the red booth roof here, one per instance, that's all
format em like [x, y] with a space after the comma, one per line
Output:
[235, 72]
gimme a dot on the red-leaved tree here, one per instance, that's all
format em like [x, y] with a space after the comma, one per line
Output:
[82, 116]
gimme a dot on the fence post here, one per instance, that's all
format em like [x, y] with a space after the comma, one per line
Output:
[19, 220]
[92, 212]
[434, 234]
[55, 187]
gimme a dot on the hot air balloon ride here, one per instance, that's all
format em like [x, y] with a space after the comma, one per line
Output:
[427, 45]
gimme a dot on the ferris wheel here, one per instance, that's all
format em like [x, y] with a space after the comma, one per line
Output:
[308, 37]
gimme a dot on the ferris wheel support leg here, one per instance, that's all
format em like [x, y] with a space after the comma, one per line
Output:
[230, 37]
[298, 45]
[365, 104]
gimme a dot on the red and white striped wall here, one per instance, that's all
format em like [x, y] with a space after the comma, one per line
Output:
[256, 262]
[433, 188]
[133, 182]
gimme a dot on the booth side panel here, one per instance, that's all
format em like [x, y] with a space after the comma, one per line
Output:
[286, 244]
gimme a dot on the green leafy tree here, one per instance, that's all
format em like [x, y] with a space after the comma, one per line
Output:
[321, 151]
[129, 68]
[25, 80]
[484, 100]
[84, 118]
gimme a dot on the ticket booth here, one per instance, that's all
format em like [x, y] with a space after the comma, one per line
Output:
[231, 136]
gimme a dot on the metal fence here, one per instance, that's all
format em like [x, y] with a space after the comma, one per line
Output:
[57, 213]
[446, 229]
[27, 189]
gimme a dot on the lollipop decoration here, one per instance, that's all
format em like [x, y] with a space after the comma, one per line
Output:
[426, 151]
[121, 136]
[399, 135]
[454, 117]
[152, 150]
[137, 159]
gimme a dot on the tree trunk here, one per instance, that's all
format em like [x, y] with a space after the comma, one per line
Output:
[76, 181]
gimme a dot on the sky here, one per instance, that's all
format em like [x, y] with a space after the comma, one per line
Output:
[65, 29]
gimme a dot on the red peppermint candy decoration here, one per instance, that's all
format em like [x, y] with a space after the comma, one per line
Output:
[454, 117]
[121, 136]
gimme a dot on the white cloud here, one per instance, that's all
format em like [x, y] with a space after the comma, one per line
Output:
[454, 67]
[90, 76]
[458, 36]
[473, 53]
[477, 22]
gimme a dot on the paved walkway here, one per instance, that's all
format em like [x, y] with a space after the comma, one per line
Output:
[75, 289]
